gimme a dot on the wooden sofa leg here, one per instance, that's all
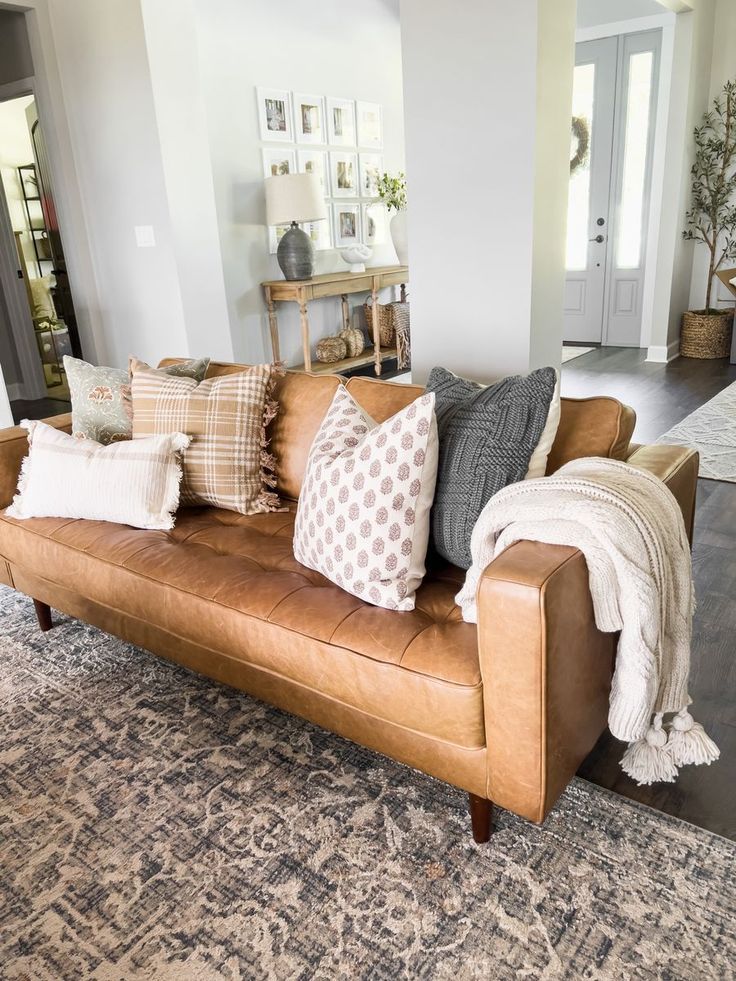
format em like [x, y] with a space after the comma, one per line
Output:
[43, 613]
[481, 810]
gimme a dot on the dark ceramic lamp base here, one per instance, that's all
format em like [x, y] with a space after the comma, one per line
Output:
[296, 254]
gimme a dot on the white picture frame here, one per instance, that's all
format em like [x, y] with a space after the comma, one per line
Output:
[320, 233]
[314, 162]
[375, 223]
[369, 125]
[309, 118]
[344, 174]
[371, 168]
[341, 122]
[275, 234]
[275, 160]
[346, 224]
[275, 115]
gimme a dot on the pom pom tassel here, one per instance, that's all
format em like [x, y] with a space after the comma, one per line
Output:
[689, 742]
[648, 760]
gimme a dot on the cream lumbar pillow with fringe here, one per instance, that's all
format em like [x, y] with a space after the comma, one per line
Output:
[227, 464]
[128, 483]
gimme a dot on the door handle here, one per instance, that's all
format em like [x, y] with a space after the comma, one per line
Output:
[598, 238]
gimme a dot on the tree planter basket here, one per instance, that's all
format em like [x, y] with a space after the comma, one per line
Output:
[706, 335]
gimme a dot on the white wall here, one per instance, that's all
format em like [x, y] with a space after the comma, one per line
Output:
[330, 48]
[591, 13]
[15, 52]
[487, 99]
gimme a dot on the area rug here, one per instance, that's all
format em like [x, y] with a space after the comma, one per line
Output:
[711, 430]
[570, 352]
[156, 825]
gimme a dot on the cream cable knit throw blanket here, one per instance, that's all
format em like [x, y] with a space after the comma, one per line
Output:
[630, 529]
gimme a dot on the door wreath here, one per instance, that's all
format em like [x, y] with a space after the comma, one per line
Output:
[581, 134]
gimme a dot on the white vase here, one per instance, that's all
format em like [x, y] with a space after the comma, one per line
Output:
[400, 236]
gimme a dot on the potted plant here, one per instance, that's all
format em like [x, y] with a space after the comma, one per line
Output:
[392, 191]
[712, 221]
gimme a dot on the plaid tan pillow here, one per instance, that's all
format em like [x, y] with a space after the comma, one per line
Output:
[227, 464]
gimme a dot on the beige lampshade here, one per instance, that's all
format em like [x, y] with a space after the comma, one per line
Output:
[294, 197]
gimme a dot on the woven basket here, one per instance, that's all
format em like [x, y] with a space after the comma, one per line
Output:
[331, 349]
[386, 328]
[706, 335]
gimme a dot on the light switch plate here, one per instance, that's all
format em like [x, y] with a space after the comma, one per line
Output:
[144, 237]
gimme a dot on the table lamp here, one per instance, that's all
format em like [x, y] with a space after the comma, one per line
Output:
[291, 198]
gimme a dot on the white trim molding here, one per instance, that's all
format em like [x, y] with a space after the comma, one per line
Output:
[634, 25]
[660, 354]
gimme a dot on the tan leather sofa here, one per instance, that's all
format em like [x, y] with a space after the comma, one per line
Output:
[506, 710]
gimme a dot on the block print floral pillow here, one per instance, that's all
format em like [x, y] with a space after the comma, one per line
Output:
[363, 514]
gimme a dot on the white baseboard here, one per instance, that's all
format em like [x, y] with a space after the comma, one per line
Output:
[663, 355]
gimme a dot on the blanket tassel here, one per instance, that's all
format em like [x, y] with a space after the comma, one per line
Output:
[689, 742]
[648, 760]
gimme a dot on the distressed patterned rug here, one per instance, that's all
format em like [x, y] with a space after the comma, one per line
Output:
[711, 430]
[156, 825]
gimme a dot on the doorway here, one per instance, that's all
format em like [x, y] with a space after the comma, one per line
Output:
[614, 115]
[37, 320]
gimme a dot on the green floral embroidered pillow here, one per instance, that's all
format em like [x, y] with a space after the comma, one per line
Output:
[101, 406]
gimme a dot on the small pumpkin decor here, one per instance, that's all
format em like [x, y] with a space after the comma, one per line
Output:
[354, 341]
[331, 349]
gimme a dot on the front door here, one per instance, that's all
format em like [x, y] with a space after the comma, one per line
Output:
[614, 103]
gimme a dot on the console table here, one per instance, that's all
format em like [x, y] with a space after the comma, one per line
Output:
[340, 284]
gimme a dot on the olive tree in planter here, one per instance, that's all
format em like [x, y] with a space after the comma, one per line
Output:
[712, 221]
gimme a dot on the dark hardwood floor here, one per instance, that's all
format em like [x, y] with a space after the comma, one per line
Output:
[38, 408]
[662, 396]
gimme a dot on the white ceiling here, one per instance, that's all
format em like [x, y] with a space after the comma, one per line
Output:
[594, 12]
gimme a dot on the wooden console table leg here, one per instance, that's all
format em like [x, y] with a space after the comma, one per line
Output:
[345, 312]
[403, 292]
[273, 325]
[376, 331]
[305, 335]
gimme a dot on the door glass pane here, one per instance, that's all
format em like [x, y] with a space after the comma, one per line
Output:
[638, 100]
[578, 205]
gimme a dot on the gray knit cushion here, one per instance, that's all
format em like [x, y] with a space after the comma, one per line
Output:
[487, 437]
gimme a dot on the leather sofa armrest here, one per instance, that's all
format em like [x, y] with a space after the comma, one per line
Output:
[546, 672]
[677, 466]
[13, 447]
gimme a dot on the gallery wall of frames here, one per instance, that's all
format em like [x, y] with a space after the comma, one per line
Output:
[339, 140]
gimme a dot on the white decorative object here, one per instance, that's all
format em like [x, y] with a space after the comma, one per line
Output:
[133, 482]
[274, 115]
[630, 529]
[347, 224]
[341, 122]
[309, 118]
[363, 514]
[344, 174]
[356, 257]
[400, 236]
[370, 125]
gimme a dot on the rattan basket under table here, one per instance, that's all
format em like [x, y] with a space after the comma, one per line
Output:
[706, 335]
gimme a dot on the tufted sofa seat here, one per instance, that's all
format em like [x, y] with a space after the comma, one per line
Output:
[506, 709]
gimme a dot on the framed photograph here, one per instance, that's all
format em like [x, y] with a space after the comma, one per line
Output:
[275, 234]
[370, 125]
[375, 224]
[278, 162]
[341, 122]
[371, 168]
[309, 118]
[344, 177]
[314, 162]
[320, 233]
[274, 114]
[347, 224]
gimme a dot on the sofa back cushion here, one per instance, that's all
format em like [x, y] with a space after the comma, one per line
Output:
[599, 426]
